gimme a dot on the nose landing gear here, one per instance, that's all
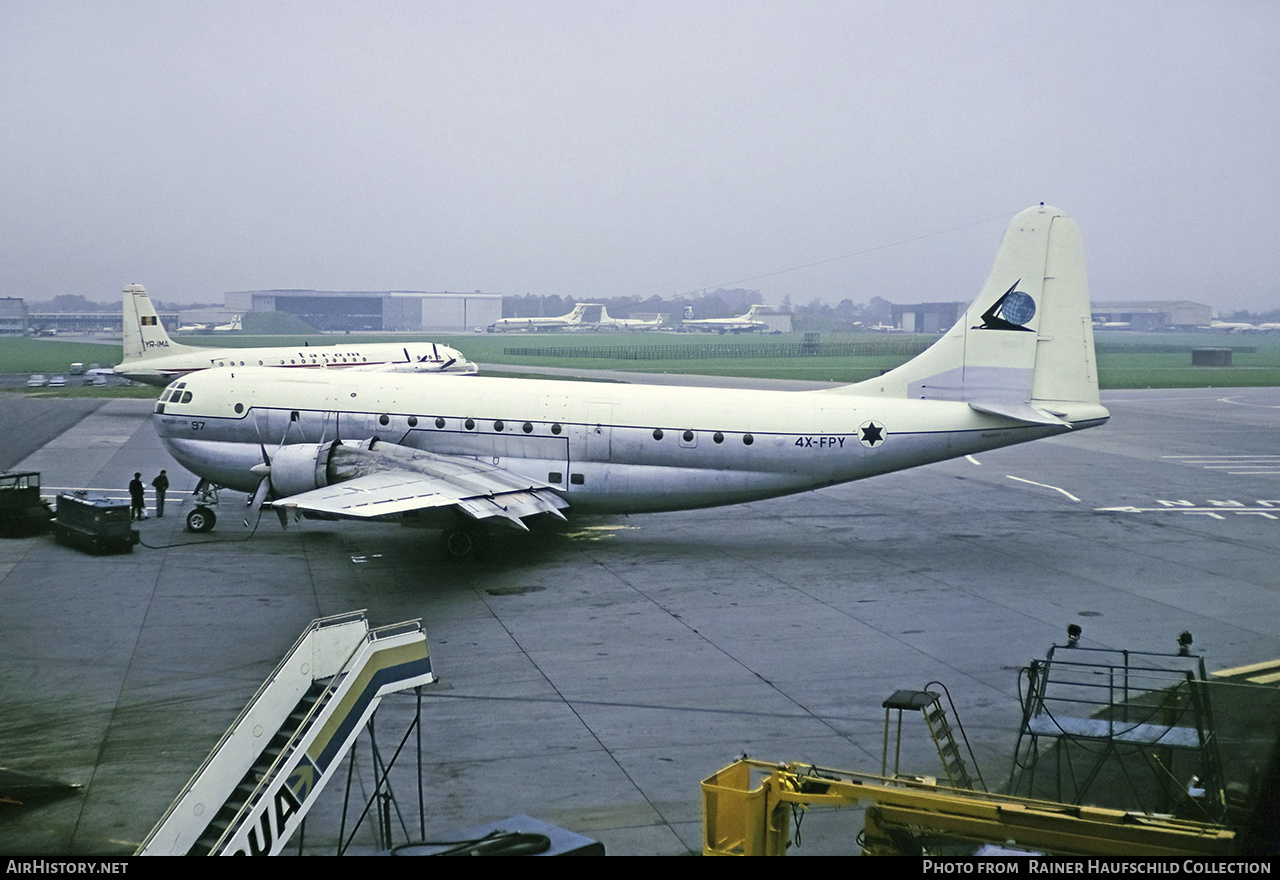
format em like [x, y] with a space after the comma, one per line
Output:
[202, 519]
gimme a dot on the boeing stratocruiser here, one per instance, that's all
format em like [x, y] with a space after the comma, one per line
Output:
[461, 454]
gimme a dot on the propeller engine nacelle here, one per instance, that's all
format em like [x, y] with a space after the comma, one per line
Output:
[301, 467]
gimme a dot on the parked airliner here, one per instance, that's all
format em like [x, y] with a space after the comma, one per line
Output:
[608, 322]
[571, 321]
[150, 356]
[459, 454]
[747, 323]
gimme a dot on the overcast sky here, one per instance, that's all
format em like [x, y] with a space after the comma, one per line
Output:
[634, 148]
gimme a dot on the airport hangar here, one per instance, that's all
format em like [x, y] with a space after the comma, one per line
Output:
[380, 311]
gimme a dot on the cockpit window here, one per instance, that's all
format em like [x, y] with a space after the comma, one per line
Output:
[186, 397]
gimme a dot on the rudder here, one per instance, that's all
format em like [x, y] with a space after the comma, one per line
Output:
[1026, 343]
[144, 335]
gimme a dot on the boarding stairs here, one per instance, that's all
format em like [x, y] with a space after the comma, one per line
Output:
[256, 786]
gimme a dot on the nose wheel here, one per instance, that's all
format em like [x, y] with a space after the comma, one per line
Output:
[201, 519]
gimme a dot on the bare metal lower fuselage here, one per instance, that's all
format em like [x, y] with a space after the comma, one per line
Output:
[603, 448]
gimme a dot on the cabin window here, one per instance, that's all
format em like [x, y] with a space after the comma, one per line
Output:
[718, 437]
[528, 427]
[555, 429]
[688, 436]
[239, 408]
[384, 420]
[439, 422]
[413, 421]
[497, 426]
[747, 439]
[260, 363]
[577, 479]
[555, 477]
[657, 433]
[469, 424]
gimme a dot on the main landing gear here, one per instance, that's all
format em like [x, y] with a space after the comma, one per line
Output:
[463, 541]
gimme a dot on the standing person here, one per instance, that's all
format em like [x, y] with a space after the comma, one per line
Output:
[137, 499]
[161, 485]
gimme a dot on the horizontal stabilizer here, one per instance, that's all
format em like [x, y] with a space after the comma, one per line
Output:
[1019, 412]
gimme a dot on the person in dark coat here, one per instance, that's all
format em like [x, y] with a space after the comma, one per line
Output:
[161, 485]
[137, 498]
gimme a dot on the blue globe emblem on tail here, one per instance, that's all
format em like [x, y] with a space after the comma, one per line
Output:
[1018, 307]
[1011, 311]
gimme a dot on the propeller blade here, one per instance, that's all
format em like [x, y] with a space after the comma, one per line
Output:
[258, 497]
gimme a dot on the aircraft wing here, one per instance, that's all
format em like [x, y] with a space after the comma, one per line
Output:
[415, 481]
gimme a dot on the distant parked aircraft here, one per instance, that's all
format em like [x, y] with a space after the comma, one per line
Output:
[607, 322]
[747, 323]
[151, 356]
[571, 321]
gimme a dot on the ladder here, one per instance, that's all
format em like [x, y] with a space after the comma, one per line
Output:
[941, 731]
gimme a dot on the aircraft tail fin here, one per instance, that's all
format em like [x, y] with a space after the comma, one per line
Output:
[1024, 348]
[144, 335]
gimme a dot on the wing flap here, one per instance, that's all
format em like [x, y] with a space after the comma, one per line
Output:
[390, 480]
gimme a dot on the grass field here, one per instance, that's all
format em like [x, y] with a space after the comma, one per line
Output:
[1125, 360]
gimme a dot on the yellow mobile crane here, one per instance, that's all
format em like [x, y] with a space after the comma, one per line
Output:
[747, 806]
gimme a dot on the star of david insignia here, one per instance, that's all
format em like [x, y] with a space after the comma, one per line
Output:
[871, 434]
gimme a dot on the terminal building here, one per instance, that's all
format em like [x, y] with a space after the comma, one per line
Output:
[1152, 314]
[1130, 315]
[87, 323]
[383, 311]
[13, 316]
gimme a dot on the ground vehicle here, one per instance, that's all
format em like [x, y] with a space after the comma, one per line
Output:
[94, 523]
[77, 369]
[37, 380]
[58, 382]
[22, 512]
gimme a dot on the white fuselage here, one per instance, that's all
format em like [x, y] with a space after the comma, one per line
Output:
[603, 447]
[163, 368]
